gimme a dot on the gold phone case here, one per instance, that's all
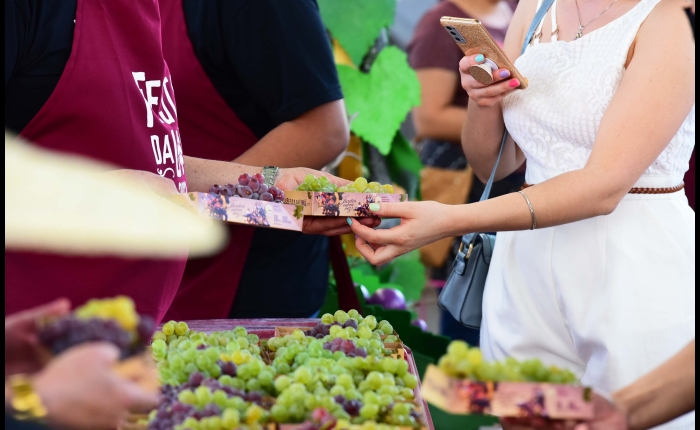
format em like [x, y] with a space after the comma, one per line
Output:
[472, 38]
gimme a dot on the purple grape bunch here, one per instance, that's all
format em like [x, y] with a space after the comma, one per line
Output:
[249, 187]
[346, 346]
[65, 333]
[172, 412]
[320, 330]
[352, 407]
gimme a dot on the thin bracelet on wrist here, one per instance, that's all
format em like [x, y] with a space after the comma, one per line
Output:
[532, 210]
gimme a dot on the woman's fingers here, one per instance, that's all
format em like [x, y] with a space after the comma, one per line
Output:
[376, 254]
[383, 236]
[494, 90]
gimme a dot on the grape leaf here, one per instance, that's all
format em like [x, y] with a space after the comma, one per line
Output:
[356, 24]
[382, 98]
[408, 272]
[405, 165]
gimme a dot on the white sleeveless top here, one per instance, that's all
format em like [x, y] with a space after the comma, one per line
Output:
[556, 119]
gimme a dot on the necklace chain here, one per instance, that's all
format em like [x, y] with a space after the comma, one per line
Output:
[582, 26]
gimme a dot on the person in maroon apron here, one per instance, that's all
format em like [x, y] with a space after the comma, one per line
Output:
[114, 102]
[89, 78]
[256, 84]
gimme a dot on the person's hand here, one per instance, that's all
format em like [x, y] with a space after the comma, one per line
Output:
[421, 223]
[606, 416]
[81, 390]
[22, 348]
[161, 186]
[289, 179]
[486, 95]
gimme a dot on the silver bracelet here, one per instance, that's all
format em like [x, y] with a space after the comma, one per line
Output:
[532, 210]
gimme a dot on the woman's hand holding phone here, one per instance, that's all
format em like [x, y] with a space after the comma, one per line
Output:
[486, 95]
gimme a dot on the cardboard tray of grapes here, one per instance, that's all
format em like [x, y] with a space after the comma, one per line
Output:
[267, 328]
[258, 213]
[338, 203]
[506, 399]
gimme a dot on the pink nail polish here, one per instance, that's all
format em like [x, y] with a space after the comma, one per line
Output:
[514, 83]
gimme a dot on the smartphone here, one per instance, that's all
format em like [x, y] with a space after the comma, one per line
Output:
[472, 38]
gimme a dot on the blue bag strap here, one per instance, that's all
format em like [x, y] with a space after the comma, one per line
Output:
[541, 12]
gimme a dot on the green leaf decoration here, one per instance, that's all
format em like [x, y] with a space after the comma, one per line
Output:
[371, 281]
[356, 24]
[409, 273]
[382, 98]
[404, 166]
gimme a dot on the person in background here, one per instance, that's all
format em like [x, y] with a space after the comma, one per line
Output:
[574, 278]
[256, 84]
[76, 390]
[73, 86]
[439, 118]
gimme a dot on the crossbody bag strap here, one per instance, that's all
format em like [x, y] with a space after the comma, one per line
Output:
[539, 16]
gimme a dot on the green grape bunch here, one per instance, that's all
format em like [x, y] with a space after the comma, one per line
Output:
[360, 185]
[464, 362]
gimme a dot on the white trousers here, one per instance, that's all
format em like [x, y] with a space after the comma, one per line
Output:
[609, 298]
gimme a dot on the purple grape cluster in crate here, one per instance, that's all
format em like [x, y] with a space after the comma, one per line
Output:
[172, 412]
[249, 187]
[347, 346]
[320, 330]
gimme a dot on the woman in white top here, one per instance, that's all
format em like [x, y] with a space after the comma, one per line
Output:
[605, 283]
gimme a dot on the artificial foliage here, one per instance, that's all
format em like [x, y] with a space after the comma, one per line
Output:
[356, 24]
[404, 166]
[382, 98]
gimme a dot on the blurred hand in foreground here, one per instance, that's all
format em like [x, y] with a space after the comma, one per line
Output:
[22, 349]
[81, 390]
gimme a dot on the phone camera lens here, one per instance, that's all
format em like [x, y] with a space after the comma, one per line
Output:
[453, 33]
[449, 27]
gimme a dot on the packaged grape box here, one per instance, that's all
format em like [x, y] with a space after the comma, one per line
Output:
[506, 399]
[258, 213]
[343, 204]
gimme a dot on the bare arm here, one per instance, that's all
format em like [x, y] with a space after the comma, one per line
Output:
[483, 129]
[663, 394]
[648, 108]
[313, 140]
[437, 117]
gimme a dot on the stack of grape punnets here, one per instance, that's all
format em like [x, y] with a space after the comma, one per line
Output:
[463, 362]
[360, 185]
[109, 320]
[249, 187]
[309, 378]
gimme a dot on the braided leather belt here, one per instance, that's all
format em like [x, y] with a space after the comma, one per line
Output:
[668, 190]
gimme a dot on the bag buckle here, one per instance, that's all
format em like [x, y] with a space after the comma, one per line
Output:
[469, 252]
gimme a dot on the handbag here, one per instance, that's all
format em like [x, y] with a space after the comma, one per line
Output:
[463, 293]
[446, 186]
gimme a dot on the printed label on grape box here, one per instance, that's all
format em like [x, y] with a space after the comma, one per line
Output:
[506, 399]
[257, 213]
[338, 204]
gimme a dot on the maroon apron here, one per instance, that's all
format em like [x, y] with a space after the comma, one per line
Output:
[114, 102]
[213, 131]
